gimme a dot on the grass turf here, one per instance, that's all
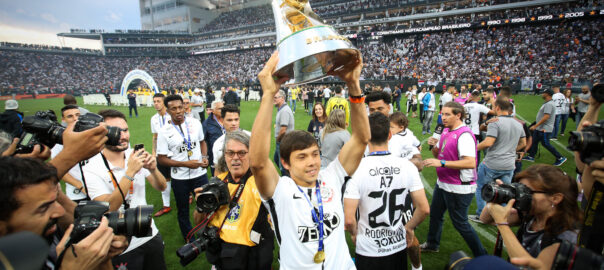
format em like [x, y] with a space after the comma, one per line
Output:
[140, 132]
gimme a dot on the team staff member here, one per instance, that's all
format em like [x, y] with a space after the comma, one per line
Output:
[383, 230]
[184, 139]
[119, 166]
[337, 102]
[158, 121]
[246, 231]
[213, 128]
[311, 234]
[455, 163]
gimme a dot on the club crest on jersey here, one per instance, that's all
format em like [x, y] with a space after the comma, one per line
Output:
[326, 193]
[311, 234]
[234, 214]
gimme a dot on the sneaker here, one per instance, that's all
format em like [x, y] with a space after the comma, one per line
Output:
[162, 211]
[475, 218]
[529, 159]
[553, 139]
[560, 161]
[424, 248]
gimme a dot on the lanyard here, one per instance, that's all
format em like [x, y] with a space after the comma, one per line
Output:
[316, 218]
[379, 153]
[163, 120]
[179, 129]
[221, 126]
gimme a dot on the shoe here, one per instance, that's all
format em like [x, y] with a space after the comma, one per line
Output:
[475, 218]
[162, 211]
[560, 161]
[562, 134]
[529, 159]
[553, 139]
[424, 248]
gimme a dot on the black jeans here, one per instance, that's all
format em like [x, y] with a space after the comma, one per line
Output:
[182, 189]
[150, 255]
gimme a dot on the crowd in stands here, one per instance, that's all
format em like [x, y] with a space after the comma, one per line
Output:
[547, 52]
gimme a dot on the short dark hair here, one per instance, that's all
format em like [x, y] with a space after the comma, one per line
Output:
[400, 119]
[380, 128]
[18, 173]
[172, 98]
[111, 113]
[229, 108]
[505, 91]
[338, 89]
[377, 96]
[456, 108]
[69, 107]
[504, 104]
[295, 140]
[159, 95]
[69, 99]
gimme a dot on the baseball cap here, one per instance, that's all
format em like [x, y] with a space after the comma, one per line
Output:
[548, 91]
[197, 90]
[11, 104]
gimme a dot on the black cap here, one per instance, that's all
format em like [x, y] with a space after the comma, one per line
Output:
[548, 91]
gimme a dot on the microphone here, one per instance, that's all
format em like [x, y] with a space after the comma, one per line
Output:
[437, 131]
[23, 250]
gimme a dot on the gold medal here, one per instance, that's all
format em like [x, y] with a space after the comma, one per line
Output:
[319, 256]
[190, 153]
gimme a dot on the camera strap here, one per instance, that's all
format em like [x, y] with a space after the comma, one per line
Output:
[84, 181]
[117, 184]
[237, 194]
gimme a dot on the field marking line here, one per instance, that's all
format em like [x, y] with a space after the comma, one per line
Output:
[556, 142]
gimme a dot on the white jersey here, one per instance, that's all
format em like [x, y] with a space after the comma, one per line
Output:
[99, 183]
[295, 229]
[159, 121]
[559, 100]
[218, 146]
[566, 105]
[195, 99]
[404, 144]
[170, 141]
[72, 192]
[445, 98]
[420, 97]
[382, 184]
[473, 111]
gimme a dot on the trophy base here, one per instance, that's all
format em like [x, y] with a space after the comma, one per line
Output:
[310, 54]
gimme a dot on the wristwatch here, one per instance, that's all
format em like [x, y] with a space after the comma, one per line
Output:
[442, 162]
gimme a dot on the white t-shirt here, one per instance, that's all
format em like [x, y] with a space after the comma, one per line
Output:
[171, 141]
[72, 192]
[195, 99]
[445, 98]
[326, 93]
[379, 179]
[473, 111]
[99, 183]
[404, 144]
[295, 229]
[218, 146]
[420, 97]
[566, 105]
[466, 148]
[559, 100]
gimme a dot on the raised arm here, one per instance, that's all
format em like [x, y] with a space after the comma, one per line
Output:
[352, 152]
[262, 167]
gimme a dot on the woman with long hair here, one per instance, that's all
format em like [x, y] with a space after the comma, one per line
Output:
[568, 108]
[333, 137]
[318, 121]
[554, 214]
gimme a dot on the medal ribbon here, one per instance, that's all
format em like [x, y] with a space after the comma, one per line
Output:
[316, 218]
[379, 153]
[188, 142]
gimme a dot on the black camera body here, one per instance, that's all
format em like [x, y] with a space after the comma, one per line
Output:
[501, 194]
[92, 120]
[215, 194]
[208, 239]
[42, 128]
[131, 222]
[589, 142]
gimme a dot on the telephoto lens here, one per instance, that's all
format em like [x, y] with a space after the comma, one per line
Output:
[135, 221]
[501, 194]
[208, 238]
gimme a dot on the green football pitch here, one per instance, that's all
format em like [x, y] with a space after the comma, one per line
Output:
[140, 132]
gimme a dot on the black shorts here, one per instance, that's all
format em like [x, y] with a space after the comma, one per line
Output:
[395, 261]
[165, 171]
[150, 255]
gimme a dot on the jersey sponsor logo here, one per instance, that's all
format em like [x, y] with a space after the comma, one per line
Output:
[311, 234]
[183, 147]
[234, 214]
[386, 240]
[384, 171]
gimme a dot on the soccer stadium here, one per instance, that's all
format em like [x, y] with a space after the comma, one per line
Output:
[418, 57]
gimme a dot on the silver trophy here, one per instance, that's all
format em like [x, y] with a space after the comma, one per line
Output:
[308, 48]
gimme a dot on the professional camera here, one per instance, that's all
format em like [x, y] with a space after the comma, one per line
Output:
[43, 128]
[215, 194]
[458, 260]
[208, 239]
[573, 257]
[501, 194]
[131, 222]
[589, 142]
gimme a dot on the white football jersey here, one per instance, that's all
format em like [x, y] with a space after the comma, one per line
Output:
[473, 111]
[382, 184]
[170, 141]
[404, 144]
[295, 229]
[559, 100]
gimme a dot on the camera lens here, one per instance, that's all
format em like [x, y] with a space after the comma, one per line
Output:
[189, 252]
[132, 222]
[113, 135]
[208, 201]
[496, 194]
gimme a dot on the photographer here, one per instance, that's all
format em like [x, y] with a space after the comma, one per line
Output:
[552, 214]
[121, 167]
[245, 234]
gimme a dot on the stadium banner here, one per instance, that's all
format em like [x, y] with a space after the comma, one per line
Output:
[138, 74]
[41, 96]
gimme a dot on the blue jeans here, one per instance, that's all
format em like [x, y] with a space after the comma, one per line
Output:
[543, 137]
[292, 103]
[458, 205]
[564, 120]
[428, 116]
[556, 126]
[578, 116]
[485, 176]
[182, 189]
[397, 103]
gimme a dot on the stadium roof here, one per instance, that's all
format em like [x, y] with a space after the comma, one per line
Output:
[214, 4]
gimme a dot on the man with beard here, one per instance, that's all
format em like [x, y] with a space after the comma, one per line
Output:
[120, 166]
[184, 139]
[158, 121]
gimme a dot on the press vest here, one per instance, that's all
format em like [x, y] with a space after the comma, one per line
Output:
[449, 151]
